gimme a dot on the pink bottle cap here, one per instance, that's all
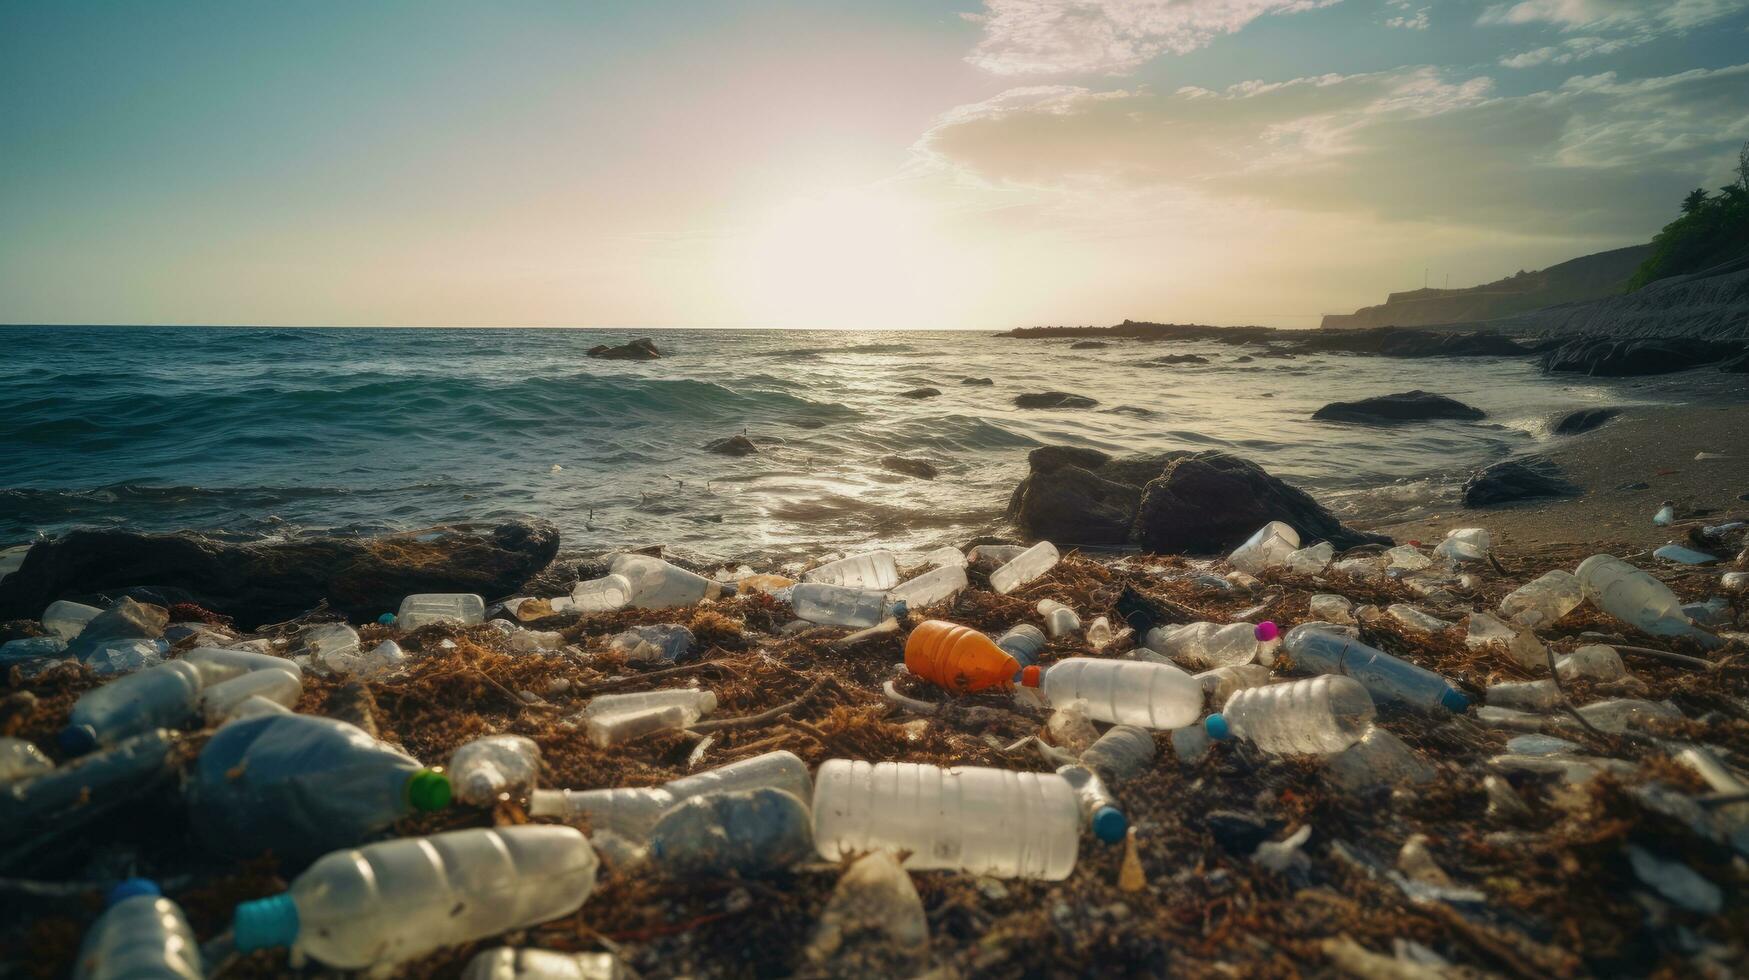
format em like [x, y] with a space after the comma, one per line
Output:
[1266, 632]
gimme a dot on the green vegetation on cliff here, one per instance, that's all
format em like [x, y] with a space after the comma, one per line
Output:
[1713, 228]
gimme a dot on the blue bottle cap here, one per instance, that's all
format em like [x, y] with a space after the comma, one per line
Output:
[1216, 726]
[131, 888]
[77, 739]
[1110, 825]
[1454, 701]
[386, 619]
[265, 923]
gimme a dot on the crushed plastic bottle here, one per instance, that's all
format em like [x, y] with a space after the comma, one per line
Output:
[303, 785]
[1122, 753]
[390, 902]
[838, 605]
[1318, 650]
[221, 700]
[1543, 601]
[1331, 608]
[141, 935]
[632, 813]
[1407, 558]
[874, 570]
[21, 760]
[1415, 619]
[1312, 560]
[1637, 598]
[505, 963]
[662, 643]
[656, 584]
[605, 594]
[328, 642]
[1678, 555]
[1099, 810]
[32, 648]
[1124, 692]
[1070, 729]
[67, 619]
[1316, 716]
[225, 663]
[958, 658]
[1098, 633]
[1465, 544]
[1221, 683]
[936, 585]
[746, 832]
[164, 696]
[1060, 620]
[124, 656]
[1216, 645]
[981, 821]
[461, 608]
[489, 767]
[1024, 567]
[1269, 547]
[1023, 643]
[873, 925]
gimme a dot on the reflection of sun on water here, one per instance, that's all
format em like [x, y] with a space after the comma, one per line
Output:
[860, 259]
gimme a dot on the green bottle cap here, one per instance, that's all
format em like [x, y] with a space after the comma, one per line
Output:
[428, 790]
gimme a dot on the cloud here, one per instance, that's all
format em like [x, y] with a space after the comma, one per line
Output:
[1572, 49]
[1598, 155]
[1409, 17]
[1046, 37]
[1608, 25]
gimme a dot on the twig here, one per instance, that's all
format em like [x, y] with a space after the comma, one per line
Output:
[515, 698]
[909, 704]
[747, 721]
[1676, 659]
[1567, 702]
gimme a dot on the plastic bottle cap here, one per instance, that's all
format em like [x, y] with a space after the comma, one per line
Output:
[386, 619]
[1110, 825]
[1030, 676]
[428, 790]
[1266, 631]
[132, 888]
[265, 923]
[1454, 701]
[77, 739]
[1216, 726]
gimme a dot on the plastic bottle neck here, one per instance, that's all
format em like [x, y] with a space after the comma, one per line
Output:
[265, 923]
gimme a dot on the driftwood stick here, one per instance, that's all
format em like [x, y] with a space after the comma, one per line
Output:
[748, 721]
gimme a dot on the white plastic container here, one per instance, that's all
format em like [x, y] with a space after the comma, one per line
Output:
[873, 570]
[220, 701]
[486, 767]
[140, 935]
[1024, 567]
[982, 821]
[224, 663]
[1316, 716]
[164, 696]
[936, 585]
[67, 619]
[463, 608]
[1124, 692]
[1637, 598]
[1270, 546]
[605, 594]
[390, 902]
[505, 963]
[700, 702]
[656, 584]
[623, 726]
[1060, 620]
[838, 605]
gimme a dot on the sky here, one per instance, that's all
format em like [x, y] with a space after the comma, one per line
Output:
[835, 163]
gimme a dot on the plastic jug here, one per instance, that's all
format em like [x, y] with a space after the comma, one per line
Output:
[958, 658]
[141, 935]
[1316, 716]
[390, 902]
[1124, 692]
[982, 821]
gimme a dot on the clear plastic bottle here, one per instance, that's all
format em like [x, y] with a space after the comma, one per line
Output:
[1465, 544]
[71, 792]
[1099, 809]
[141, 935]
[632, 812]
[1123, 752]
[303, 785]
[1541, 602]
[486, 767]
[390, 902]
[1310, 561]
[1316, 716]
[1023, 643]
[1270, 546]
[838, 605]
[1024, 567]
[67, 619]
[936, 585]
[164, 696]
[1636, 598]
[700, 702]
[747, 832]
[282, 687]
[1124, 692]
[1060, 620]
[604, 594]
[224, 663]
[656, 584]
[982, 821]
[505, 963]
[1222, 683]
[463, 608]
[330, 642]
[1386, 678]
[874, 570]
[622, 726]
[1209, 644]
[945, 555]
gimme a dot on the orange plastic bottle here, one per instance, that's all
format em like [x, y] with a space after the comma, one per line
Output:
[958, 658]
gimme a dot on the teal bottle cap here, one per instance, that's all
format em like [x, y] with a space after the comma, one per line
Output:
[1454, 701]
[1110, 825]
[132, 888]
[1216, 726]
[265, 923]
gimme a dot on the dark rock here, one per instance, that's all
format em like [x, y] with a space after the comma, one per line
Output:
[1088, 345]
[920, 393]
[642, 349]
[1180, 359]
[1053, 399]
[126, 620]
[910, 467]
[732, 446]
[1399, 342]
[1736, 365]
[1239, 833]
[977, 381]
[1072, 505]
[1244, 359]
[1210, 502]
[1526, 478]
[1044, 459]
[1584, 420]
[1630, 487]
[1603, 357]
[260, 582]
[1404, 406]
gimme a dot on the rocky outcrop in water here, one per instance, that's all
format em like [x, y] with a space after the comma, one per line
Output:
[921, 469]
[1404, 406]
[642, 349]
[1584, 420]
[270, 581]
[1614, 358]
[1198, 503]
[920, 393]
[732, 446]
[1526, 478]
[1053, 399]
